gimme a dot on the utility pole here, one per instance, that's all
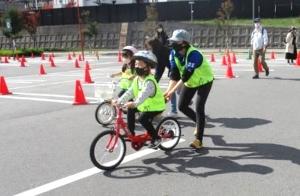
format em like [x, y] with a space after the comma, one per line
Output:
[80, 30]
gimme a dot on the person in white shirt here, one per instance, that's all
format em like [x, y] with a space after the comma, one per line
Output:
[259, 42]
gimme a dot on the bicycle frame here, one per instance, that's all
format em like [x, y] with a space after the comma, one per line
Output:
[137, 141]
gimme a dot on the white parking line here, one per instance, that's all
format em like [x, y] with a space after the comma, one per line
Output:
[81, 175]
[35, 99]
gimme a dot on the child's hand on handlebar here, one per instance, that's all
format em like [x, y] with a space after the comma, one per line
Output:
[129, 104]
[114, 102]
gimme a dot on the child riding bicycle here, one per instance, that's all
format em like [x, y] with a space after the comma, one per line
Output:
[147, 96]
[128, 71]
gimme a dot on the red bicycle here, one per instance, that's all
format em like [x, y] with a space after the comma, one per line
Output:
[108, 149]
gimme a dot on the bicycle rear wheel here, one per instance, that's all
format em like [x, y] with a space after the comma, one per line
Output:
[107, 150]
[169, 131]
[105, 113]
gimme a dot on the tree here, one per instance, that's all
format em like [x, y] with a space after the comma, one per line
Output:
[90, 29]
[31, 22]
[12, 25]
[151, 18]
[223, 20]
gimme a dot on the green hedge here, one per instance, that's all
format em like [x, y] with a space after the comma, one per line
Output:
[25, 52]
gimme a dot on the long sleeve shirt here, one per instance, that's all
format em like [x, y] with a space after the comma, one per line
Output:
[147, 92]
[259, 38]
[194, 60]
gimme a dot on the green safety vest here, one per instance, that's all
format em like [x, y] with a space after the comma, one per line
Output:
[125, 82]
[202, 75]
[155, 103]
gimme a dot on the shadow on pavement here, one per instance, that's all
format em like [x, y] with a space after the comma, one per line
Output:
[279, 78]
[257, 150]
[186, 161]
[238, 123]
[194, 163]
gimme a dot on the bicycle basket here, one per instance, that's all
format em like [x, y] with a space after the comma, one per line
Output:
[104, 91]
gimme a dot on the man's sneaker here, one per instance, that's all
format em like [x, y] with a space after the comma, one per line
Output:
[255, 77]
[267, 72]
[197, 144]
[173, 114]
[155, 143]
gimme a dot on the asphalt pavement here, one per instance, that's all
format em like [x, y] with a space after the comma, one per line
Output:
[251, 138]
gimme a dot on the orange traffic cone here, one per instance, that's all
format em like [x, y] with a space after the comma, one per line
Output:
[260, 67]
[229, 72]
[42, 70]
[43, 56]
[298, 59]
[23, 58]
[52, 64]
[17, 57]
[32, 55]
[233, 58]
[79, 58]
[119, 56]
[87, 65]
[22, 63]
[5, 59]
[50, 58]
[79, 98]
[212, 58]
[77, 64]
[69, 57]
[272, 55]
[224, 60]
[3, 88]
[87, 77]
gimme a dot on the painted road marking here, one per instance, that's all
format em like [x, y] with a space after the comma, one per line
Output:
[37, 95]
[81, 175]
[35, 99]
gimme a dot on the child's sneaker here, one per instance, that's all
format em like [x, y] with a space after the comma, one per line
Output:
[155, 143]
[195, 132]
[197, 144]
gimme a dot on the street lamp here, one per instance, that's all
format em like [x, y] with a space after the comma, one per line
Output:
[253, 10]
[192, 10]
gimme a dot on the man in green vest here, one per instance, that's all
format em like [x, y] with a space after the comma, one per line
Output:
[147, 95]
[190, 68]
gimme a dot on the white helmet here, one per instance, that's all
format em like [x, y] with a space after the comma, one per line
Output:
[146, 56]
[180, 35]
[130, 48]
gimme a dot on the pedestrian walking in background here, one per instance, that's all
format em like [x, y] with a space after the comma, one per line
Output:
[191, 70]
[161, 35]
[259, 42]
[291, 46]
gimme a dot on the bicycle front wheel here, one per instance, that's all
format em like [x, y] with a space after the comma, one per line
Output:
[169, 131]
[105, 113]
[107, 150]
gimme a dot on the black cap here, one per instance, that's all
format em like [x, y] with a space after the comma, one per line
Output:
[256, 20]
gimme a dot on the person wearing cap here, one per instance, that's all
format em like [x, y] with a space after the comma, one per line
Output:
[190, 68]
[128, 69]
[291, 46]
[147, 96]
[259, 42]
